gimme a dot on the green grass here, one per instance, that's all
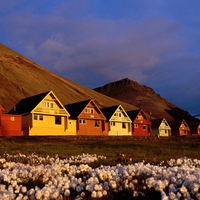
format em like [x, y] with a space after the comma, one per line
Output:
[150, 149]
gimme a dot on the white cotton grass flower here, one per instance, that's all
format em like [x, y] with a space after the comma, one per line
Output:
[24, 189]
[94, 194]
[135, 194]
[38, 195]
[67, 193]
[59, 176]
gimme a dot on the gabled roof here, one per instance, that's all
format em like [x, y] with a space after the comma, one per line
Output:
[155, 123]
[109, 111]
[175, 125]
[75, 109]
[26, 105]
[133, 114]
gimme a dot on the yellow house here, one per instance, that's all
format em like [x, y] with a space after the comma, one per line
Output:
[160, 127]
[44, 115]
[118, 121]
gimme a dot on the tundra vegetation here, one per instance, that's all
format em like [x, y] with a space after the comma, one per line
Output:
[99, 168]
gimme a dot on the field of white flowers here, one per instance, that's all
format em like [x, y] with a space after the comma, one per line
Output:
[47, 178]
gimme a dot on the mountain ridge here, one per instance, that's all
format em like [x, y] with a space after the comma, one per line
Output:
[143, 97]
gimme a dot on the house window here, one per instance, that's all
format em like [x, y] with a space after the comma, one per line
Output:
[89, 110]
[144, 127]
[82, 121]
[38, 117]
[57, 120]
[51, 105]
[96, 123]
[12, 118]
[119, 114]
[135, 125]
[43, 104]
[123, 125]
[35, 117]
[112, 123]
[47, 104]
[139, 117]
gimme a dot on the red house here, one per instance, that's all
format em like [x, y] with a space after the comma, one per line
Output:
[141, 125]
[10, 124]
[89, 118]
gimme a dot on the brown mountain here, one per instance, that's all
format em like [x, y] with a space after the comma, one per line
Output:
[20, 78]
[143, 97]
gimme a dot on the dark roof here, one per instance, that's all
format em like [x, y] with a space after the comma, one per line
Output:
[193, 124]
[75, 109]
[155, 123]
[109, 111]
[175, 125]
[133, 114]
[26, 105]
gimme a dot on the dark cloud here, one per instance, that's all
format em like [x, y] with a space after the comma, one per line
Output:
[93, 43]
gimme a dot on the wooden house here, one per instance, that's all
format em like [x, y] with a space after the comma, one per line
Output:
[10, 124]
[179, 128]
[118, 122]
[89, 118]
[43, 114]
[141, 125]
[194, 127]
[160, 127]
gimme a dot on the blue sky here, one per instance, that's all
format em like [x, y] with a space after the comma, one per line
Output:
[94, 42]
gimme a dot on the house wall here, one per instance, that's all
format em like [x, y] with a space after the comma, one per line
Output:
[45, 125]
[164, 132]
[11, 125]
[117, 130]
[89, 128]
[139, 130]
[71, 127]
[183, 132]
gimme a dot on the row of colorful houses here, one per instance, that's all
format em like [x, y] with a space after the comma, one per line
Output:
[45, 115]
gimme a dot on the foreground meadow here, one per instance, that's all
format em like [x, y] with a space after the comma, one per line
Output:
[99, 168]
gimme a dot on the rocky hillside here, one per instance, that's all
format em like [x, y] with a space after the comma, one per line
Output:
[143, 97]
[20, 78]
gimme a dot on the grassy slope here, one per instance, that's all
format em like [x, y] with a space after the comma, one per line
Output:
[20, 78]
[150, 149]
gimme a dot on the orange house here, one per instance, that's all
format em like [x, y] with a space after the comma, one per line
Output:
[89, 118]
[141, 125]
[179, 128]
[10, 124]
